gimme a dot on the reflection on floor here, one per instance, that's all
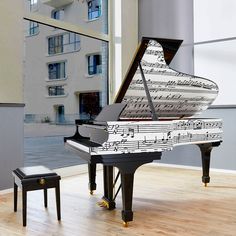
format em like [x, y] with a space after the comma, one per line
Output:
[43, 145]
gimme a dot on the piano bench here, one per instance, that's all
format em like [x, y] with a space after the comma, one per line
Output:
[35, 178]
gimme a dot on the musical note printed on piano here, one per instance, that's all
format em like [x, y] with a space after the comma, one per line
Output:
[150, 136]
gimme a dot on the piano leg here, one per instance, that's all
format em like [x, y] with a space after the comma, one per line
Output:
[206, 149]
[108, 177]
[92, 177]
[127, 180]
[127, 170]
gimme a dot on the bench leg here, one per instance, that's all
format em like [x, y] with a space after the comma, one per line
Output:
[24, 205]
[45, 198]
[58, 202]
[15, 196]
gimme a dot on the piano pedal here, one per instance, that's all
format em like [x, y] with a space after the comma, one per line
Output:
[103, 203]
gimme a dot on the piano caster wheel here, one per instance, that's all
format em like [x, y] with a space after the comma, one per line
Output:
[125, 224]
[205, 184]
[91, 192]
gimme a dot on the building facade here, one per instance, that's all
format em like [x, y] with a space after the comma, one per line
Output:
[65, 74]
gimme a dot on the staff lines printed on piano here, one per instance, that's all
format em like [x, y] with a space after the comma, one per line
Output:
[167, 86]
[154, 89]
[135, 99]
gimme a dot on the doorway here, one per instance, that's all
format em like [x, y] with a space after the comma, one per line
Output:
[60, 114]
[89, 105]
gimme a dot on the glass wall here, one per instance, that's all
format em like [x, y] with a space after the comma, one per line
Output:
[65, 77]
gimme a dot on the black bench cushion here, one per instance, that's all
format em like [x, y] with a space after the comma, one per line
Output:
[33, 172]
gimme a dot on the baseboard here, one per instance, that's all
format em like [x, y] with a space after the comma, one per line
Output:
[6, 191]
[192, 167]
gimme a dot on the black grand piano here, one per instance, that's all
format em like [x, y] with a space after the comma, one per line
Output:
[152, 113]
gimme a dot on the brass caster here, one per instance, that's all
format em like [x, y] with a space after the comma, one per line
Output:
[205, 184]
[125, 224]
[91, 192]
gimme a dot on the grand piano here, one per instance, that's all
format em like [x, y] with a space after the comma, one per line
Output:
[153, 112]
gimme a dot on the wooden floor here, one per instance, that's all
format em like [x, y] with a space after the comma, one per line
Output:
[167, 201]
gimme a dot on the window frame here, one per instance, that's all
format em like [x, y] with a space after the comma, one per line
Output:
[33, 28]
[58, 88]
[58, 71]
[96, 68]
[91, 11]
[58, 11]
[59, 44]
[33, 5]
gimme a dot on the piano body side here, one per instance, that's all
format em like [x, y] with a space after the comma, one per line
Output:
[153, 136]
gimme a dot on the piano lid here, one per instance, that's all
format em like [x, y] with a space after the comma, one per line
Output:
[174, 94]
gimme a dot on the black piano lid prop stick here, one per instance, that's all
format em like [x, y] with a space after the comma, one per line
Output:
[154, 116]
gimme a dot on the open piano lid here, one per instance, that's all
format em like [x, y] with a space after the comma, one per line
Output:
[174, 94]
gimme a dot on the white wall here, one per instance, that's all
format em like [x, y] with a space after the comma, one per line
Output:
[11, 111]
[11, 48]
[11, 142]
[173, 20]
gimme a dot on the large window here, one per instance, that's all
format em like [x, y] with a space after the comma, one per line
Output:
[94, 9]
[57, 88]
[63, 43]
[56, 70]
[94, 64]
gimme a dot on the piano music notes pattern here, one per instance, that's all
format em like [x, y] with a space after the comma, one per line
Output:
[174, 94]
[157, 136]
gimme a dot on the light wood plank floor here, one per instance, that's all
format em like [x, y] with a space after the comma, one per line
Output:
[167, 201]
